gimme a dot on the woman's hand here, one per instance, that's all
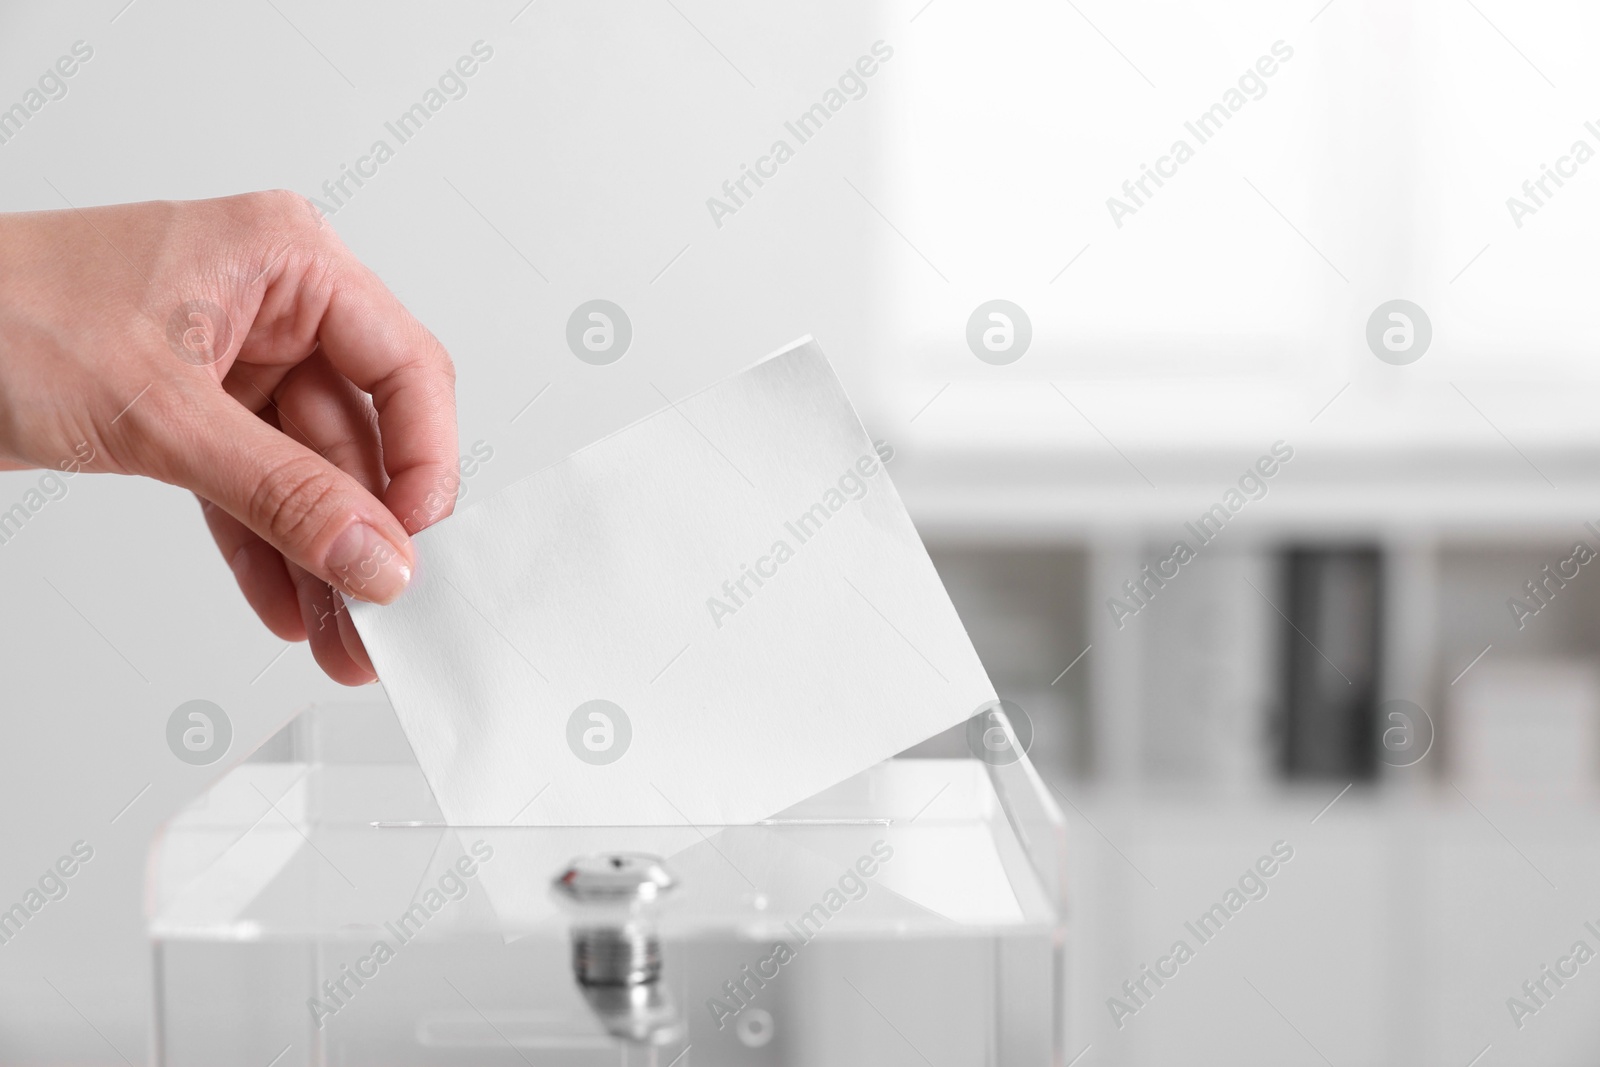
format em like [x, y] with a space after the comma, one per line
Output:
[237, 348]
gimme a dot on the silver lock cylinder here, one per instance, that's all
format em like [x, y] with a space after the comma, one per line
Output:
[613, 899]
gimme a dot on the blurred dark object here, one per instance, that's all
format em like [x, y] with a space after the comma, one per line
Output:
[1331, 663]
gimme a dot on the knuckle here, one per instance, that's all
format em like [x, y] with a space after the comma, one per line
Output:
[295, 502]
[433, 361]
[272, 228]
[447, 366]
[438, 504]
[283, 217]
[282, 206]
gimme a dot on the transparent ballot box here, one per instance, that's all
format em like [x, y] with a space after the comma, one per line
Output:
[313, 906]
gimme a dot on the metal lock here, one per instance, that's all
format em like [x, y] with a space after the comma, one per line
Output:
[614, 900]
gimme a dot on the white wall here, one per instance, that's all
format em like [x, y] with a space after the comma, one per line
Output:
[591, 140]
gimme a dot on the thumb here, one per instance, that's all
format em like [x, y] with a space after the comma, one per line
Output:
[312, 512]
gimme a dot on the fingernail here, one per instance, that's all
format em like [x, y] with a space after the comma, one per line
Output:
[363, 563]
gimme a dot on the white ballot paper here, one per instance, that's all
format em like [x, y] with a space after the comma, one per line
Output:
[702, 619]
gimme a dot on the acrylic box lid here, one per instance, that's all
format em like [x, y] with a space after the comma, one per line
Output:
[329, 831]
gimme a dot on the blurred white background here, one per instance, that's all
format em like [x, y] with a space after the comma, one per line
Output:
[1168, 353]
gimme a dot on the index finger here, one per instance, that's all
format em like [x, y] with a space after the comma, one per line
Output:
[370, 338]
